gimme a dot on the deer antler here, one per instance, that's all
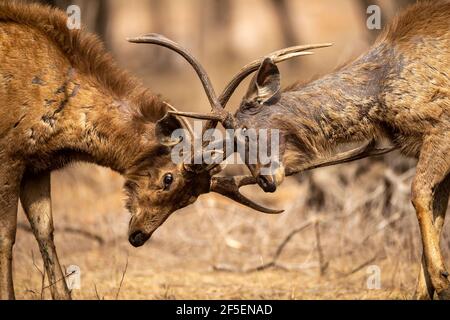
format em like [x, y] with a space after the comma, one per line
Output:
[364, 151]
[229, 187]
[154, 38]
[277, 57]
[186, 123]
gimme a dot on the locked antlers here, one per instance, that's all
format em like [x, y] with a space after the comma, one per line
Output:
[225, 117]
[228, 187]
[367, 149]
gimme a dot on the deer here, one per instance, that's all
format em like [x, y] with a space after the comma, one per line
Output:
[397, 90]
[65, 100]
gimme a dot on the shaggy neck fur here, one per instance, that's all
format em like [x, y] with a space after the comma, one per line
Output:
[100, 128]
[73, 102]
[339, 108]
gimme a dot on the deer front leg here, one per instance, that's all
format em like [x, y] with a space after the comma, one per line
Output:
[424, 289]
[36, 201]
[9, 190]
[432, 168]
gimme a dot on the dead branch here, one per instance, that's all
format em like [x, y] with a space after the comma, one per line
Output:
[96, 293]
[273, 262]
[383, 225]
[121, 280]
[63, 278]
[322, 264]
[42, 272]
[67, 229]
[362, 265]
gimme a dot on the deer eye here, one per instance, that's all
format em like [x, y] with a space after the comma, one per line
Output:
[167, 180]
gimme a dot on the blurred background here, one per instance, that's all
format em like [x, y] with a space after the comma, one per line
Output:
[339, 222]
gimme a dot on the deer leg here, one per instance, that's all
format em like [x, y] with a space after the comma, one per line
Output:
[432, 168]
[36, 201]
[9, 190]
[424, 289]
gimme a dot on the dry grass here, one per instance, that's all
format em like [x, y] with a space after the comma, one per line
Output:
[203, 251]
[362, 211]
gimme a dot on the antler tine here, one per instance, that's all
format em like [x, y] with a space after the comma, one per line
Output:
[182, 119]
[202, 116]
[277, 57]
[229, 187]
[160, 40]
[366, 150]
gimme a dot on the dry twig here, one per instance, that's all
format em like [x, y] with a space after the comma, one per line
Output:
[273, 262]
[121, 280]
[42, 272]
[67, 229]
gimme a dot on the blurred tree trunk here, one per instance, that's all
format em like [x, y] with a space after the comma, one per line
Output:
[285, 22]
[386, 18]
[221, 22]
[101, 21]
[56, 3]
[371, 34]
[159, 13]
[286, 26]
[94, 14]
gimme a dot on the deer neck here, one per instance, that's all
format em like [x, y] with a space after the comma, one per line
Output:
[339, 108]
[92, 124]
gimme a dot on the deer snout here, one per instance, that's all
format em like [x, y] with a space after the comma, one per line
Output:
[267, 183]
[137, 235]
[138, 238]
[270, 182]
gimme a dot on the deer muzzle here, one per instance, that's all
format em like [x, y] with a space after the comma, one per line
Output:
[267, 183]
[138, 238]
[144, 224]
[270, 182]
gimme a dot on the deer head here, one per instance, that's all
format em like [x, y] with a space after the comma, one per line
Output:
[264, 91]
[261, 103]
[154, 194]
[261, 108]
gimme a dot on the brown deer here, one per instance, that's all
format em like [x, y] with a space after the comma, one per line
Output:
[63, 100]
[398, 89]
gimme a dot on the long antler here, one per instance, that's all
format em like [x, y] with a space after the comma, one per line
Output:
[277, 57]
[154, 38]
[228, 187]
[368, 149]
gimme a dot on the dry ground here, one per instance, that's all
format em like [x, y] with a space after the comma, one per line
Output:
[360, 212]
[204, 251]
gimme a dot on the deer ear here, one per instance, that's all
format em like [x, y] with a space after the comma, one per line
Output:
[265, 86]
[164, 129]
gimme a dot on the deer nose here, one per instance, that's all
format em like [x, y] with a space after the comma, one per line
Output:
[138, 238]
[267, 184]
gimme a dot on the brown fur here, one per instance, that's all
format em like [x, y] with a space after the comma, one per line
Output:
[63, 99]
[84, 51]
[399, 89]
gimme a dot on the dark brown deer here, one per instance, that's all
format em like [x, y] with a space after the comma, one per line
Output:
[398, 89]
[64, 100]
